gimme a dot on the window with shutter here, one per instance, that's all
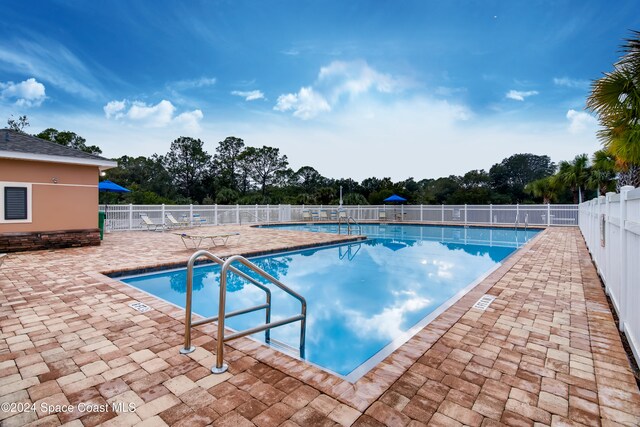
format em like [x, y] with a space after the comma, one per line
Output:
[15, 203]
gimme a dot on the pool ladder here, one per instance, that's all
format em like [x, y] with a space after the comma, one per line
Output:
[252, 215]
[526, 222]
[227, 267]
[350, 221]
[348, 253]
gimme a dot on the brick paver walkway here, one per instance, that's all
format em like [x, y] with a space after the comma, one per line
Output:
[546, 352]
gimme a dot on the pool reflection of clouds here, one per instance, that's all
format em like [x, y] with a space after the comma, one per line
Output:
[355, 306]
[389, 323]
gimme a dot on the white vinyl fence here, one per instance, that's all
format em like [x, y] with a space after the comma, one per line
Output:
[127, 217]
[611, 227]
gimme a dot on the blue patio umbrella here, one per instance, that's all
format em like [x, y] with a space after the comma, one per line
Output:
[112, 187]
[394, 245]
[395, 198]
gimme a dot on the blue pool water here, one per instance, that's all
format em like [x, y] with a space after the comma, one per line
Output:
[364, 299]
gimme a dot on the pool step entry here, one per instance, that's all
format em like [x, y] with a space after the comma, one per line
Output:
[284, 347]
[227, 267]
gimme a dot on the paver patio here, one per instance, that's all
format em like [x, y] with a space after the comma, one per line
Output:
[546, 351]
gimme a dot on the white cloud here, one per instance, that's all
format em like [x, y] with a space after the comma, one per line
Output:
[353, 78]
[449, 91]
[518, 95]
[193, 83]
[154, 115]
[290, 52]
[28, 93]
[572, 83]
[250, 95]
[388, 323]
[305, 104]
[580, 122]
[336, 80]
[114, 109]
[159, 115]
[190, 120]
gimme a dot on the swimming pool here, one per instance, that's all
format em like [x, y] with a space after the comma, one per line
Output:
[364, 299]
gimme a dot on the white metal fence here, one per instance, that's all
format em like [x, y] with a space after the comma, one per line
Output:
[611, 228]
[127, 217]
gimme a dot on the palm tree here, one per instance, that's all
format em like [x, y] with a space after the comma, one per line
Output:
[547, 188]
[603, 172]
[575, 175]
[615, 98]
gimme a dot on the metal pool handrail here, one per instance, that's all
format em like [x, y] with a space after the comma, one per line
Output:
[188, 324]
[526, 221]
[251, 215]
[220, 366]
[349, 220]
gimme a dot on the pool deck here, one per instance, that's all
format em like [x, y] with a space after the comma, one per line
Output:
[545, 352]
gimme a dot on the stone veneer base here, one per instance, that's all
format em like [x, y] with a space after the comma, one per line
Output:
[29, 241]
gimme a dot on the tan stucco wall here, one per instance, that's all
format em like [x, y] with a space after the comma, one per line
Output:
[71, 204]
[44, 172]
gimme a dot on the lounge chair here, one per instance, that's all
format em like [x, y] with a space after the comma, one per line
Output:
[306, 216]
[150, 224]
[342, 215]
[382, 216]
[198, 220]
[174, 223]
[324, 216]
[195, 241]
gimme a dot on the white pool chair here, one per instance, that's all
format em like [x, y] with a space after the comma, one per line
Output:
[150, 224]
[174, 223]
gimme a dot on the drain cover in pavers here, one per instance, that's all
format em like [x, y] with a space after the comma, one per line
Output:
[484, 302]
[141, 307]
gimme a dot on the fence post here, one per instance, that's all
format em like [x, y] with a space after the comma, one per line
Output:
[607, 232]
[517, 212]
[237, 213]
[465, 214]
[548, 214]
[625, 258]
[256, 212]
[491, 213]
[162, 214]
[215, 214]
[130, 216]
[600, 264]
[442, 213]
[421, 220]
[359, 215]
[191, 213]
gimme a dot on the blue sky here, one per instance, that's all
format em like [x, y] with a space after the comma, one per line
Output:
[354, 89]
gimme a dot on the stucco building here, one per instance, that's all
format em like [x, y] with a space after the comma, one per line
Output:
[48, 194]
